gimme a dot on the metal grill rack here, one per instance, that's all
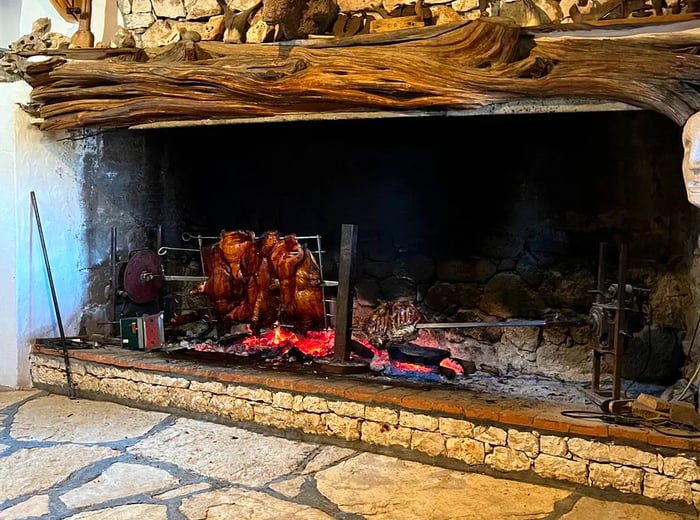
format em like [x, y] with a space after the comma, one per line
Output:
[328, 303]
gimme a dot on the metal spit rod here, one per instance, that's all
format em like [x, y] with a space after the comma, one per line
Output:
[64, 346]
[490, 324]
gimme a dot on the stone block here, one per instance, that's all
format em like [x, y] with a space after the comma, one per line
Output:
[455, 427]
[682, 468]
[382, 415]
[141, 6]
[153, 394]
[527, 442]
[87, 383]
[160, 34]
[465, 5]
[385, 435]
[138, 20]
[347, 428]
[308, 422]
[466, 450]
[169, 8]
[418, 421]
[347, 408]
[666, 488]
[622, 478]
[507, 459]
[213, 387]
[631, 456]
[431, 443]
[275, 417]
[260, 395]
[589, 450]
[48, 376]
[283, 400]
[553, 445]
[188, 400]
[311, 403]
[196, 9]
[559, 468]
[490, 435]
[242, 410]
[124, 6]
[119, 388]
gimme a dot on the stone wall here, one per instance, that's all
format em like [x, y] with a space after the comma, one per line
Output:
[602, 463]
[155, 23]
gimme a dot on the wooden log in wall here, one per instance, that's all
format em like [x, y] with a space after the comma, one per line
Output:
[457, 66]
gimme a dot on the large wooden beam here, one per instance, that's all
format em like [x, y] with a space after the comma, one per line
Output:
[458, 66]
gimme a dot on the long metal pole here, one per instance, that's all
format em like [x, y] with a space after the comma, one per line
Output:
[64, 346]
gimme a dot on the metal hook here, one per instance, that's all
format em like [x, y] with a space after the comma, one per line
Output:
[186, 237]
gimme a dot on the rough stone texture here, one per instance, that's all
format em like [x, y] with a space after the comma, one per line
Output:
[526, 442]
[290, 487]
[34, 506]
[327, 456]
[459, 270]
[467, 450]
[418, 421]
[381, 488]
[631, 456]
[490, 435]
[385, 434]
[58, 418]
[587, 508]
[506, 295]
[182, 491]
[347, 428]
[14, 397]
[455, 427]
[117, 481]
[385, 415]
[141, 6]
[32, 470]
[507, 459]
[681, 467]
[224, 452]
[138, 20]
[160, 34]
[465, 5]
[128, 512]
[349, 409]
[169, 8]
[553, 445]
[590, 450]
[622, 478]
[548, 466]
[201, 8]
[232, 503]
[665, 488]
[430, 443]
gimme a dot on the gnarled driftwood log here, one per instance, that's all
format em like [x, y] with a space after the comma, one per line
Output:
[457, 66]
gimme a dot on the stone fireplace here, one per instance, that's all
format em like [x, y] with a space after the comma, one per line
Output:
[508, 229]
[483, 235]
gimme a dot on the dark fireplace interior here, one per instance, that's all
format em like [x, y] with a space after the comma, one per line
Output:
[467, 219]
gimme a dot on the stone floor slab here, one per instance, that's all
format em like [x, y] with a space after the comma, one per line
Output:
[242, 505]
[289, 488]
[34, 506]
[326, 456]
[58, 418]
[182, 491]
[587, 508]
[385, 488]
[128, 512]
[33, 470]
[224, 452]
[10, 397]
[118, 481]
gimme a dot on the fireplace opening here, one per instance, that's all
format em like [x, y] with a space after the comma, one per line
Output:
[485, 219]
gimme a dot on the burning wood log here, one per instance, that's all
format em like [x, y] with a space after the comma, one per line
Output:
[454, 66]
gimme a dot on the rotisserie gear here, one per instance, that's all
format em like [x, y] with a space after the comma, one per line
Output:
[262, 281]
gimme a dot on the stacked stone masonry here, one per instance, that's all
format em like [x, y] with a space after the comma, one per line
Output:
[596, 463]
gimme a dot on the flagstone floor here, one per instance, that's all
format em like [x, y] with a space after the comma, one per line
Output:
[64, 458]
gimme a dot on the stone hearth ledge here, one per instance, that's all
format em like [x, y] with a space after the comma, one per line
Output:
[514, 436]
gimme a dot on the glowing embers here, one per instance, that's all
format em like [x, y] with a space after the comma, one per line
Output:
[280, 343]
[410, 361]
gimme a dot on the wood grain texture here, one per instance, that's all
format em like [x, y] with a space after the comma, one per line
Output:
[456, 66]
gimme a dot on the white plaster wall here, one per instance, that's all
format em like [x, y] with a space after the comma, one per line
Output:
[33, 161]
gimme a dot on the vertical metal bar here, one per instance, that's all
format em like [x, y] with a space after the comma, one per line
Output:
[66, 357]
[343, 319]
[620, 322]
[114, 284]
[600, 286]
